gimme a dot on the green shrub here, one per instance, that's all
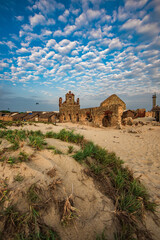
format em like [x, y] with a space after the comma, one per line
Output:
[37, 142]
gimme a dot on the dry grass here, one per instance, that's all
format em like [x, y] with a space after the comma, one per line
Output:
[69, 211]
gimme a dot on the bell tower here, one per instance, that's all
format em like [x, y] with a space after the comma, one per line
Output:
[154, 100]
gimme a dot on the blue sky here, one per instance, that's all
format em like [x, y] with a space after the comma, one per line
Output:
[94, 48]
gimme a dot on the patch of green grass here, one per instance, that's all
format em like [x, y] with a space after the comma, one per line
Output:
[23, 157]
[51, 147]
[91, 150]
[97, 169]
[67, 136]
[15, 146]
[51, 135]
[131, 197]
[37, 142]
[37, 133]
[17, 223]
[70, 149]
[2, 126]
[2, 158]
[11, 160]
[18, 178]
[57, 151]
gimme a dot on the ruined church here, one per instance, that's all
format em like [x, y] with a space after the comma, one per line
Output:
[109, 112]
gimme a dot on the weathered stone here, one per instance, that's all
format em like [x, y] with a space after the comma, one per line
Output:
[107, 114]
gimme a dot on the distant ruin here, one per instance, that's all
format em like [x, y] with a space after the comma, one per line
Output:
[111, 112]
[107, 114]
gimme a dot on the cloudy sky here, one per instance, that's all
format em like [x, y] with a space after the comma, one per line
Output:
[92, 47]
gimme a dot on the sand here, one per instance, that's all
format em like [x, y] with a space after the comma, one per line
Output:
[139, 148]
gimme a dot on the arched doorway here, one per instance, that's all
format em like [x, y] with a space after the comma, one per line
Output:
[106, 121]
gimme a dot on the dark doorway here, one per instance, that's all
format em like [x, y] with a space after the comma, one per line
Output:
[70, 117]
[106, 121]
[77, 117]
[88, 117]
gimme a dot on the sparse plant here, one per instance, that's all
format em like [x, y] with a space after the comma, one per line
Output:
[57, 151]
[18, 178]
[37, 142]
[3, 191]
[51, 135]
[23, 157]
[33, 195]
[51, 147]
[17, 223]
[101, 237]
[70, 149]
[69, 211]
[11, 160]
[67, 136]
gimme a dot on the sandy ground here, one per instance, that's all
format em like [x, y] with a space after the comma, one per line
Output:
[138, 146]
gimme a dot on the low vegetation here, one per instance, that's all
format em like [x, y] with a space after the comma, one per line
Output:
[128, 194]
[37, 142]
[67, 136]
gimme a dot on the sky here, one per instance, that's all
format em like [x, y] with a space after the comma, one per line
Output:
[94, 48]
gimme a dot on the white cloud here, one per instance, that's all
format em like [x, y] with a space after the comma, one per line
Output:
[50, 54]
[122, 14]
[50, 21]
[146, 28]
[36, 19]
[3, 65]
[22, 50]
[65, 46]
[89, 55]
[81, 20]
[67, 31]
[74, 52]
[95, 33]
[27, 27]
[115, 44]
[20, 18]
[63, 18]
[141, 26]
[9, 44]
[93, 14]
[51, 43]
[131, 24]
[46, 32]
[135, 4]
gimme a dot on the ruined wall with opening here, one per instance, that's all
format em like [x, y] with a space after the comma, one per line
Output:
[107, 114]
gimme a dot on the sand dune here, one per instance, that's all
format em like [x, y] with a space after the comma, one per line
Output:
[138, 146]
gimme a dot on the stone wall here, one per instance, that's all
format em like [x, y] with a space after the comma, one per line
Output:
[109, 112]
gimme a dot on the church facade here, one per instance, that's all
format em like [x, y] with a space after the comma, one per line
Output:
[109, 112]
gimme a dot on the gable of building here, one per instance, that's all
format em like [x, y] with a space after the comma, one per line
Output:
[113, 100]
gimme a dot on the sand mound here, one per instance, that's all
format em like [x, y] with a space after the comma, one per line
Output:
[60, 176]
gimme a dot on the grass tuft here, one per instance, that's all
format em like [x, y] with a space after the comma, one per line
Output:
[18, 178]
[23, 157]
[37, 142]
[70, 149]
[67, 136]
